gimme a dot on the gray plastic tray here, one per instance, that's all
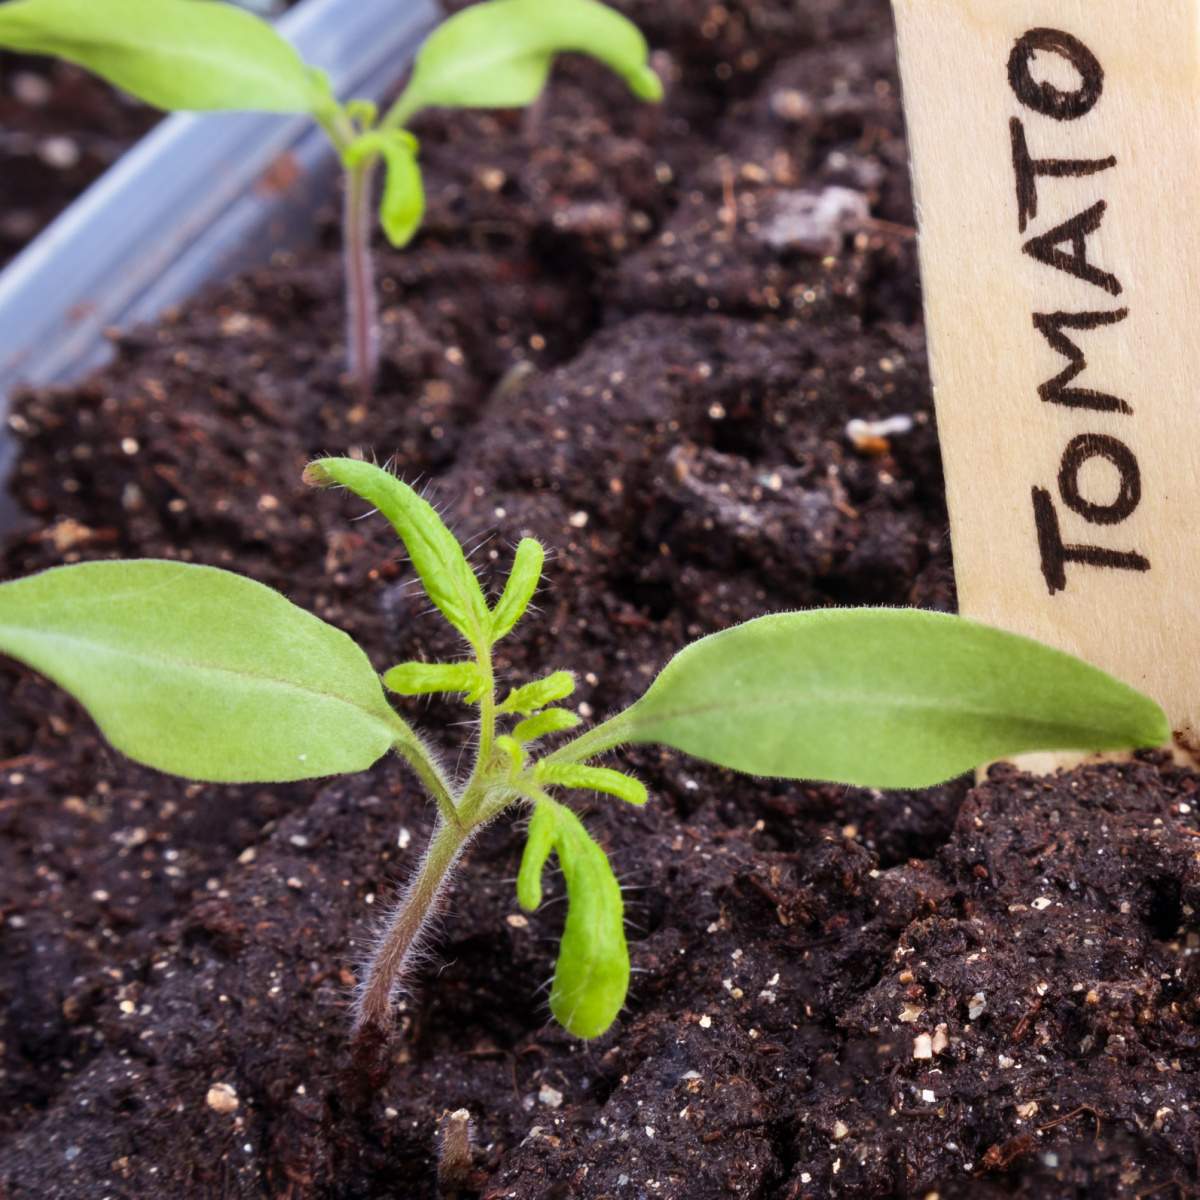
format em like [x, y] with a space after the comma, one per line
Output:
[198, 198]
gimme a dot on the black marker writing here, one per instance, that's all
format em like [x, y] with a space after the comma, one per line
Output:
[1045, 98]
[1055, 391]
[1065, 248]
[1098, 445]
[1055, 555]
[1045, 249]
[1028, 170]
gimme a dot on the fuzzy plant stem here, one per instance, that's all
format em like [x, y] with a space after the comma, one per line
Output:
[402, 938]
[455, 1165]
[362, 308]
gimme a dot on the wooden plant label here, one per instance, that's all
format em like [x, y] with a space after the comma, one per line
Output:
[1056, 160]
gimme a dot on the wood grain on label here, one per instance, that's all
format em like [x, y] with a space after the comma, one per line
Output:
[1056, 161]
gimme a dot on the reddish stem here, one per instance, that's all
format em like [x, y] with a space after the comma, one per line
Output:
[401, 941]
[362, 309]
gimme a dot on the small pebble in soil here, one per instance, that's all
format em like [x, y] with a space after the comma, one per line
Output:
[222, 1098]
[61, 153]
[31, 89]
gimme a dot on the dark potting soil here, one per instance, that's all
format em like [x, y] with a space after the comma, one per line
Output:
[967, 992]
[60, 128]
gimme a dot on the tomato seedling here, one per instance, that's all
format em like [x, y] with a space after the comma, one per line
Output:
[203, 55]
[211, 676]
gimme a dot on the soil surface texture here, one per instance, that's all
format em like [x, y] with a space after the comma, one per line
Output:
[637, 334]
[60, 128]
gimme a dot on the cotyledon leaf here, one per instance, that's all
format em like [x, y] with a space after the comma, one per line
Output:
[498, 54]
[200, 672]
[879, 698]
[435, 553]
[174, 54]
[591, 976]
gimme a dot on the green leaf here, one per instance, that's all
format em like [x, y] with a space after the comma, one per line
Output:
[438, 558]
[552, 720]
[595, 779]
[879, 698]
[200, 672]
[498, 54]
[422, 679]
[173, 54]
[591, 976]
[402, 207]
[518, 591]
[512, 748]
[539, 693]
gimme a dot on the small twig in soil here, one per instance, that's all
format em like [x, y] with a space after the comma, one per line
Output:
[880, 226]
[1074, 1113]
[1022, 1026]
[1158, 1187]
[32, 760]
[729, 212]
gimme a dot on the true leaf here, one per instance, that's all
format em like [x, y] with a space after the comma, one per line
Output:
[539, 693]
[880, 698]
[551, 720]
[498, 54]
[173, 54]
[518, 590]
[423, 679]
[436, 555]
[200, 672]
[513, 749]
[595, 779]
[591, 976]
[403, 204]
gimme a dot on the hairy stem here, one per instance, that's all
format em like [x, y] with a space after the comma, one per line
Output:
[455, 1166]
[606, 736]
[409, 745]
[475, 793]
[402, 938]
[362, 313]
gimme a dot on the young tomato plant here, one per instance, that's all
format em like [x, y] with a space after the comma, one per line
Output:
[211, 676]
[202, 55]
